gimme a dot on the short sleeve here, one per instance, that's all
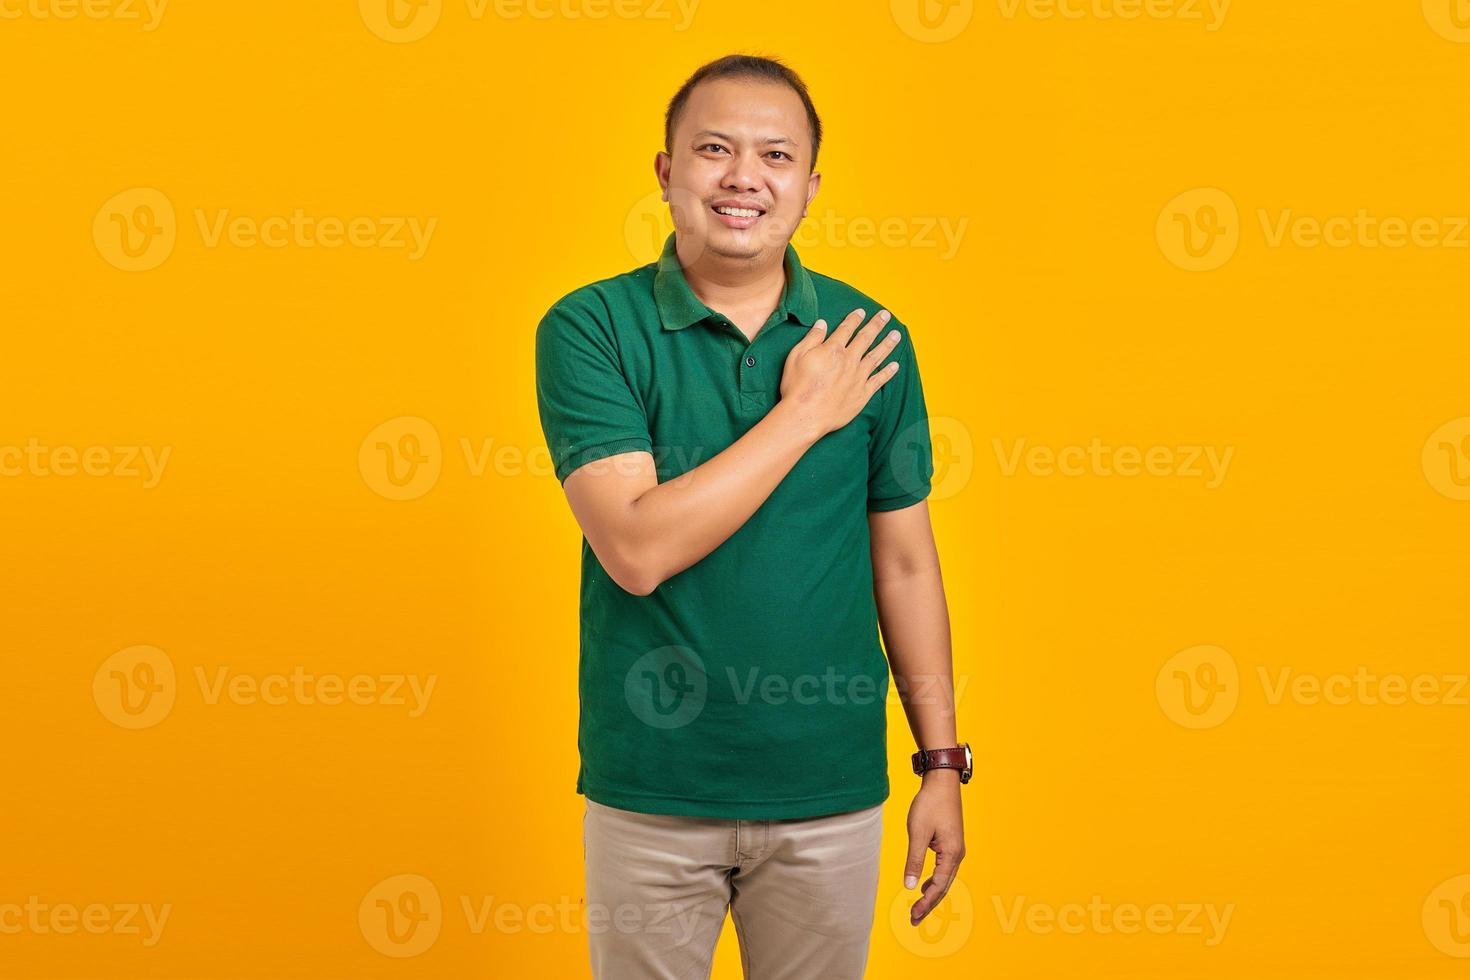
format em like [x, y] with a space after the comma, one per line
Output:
[900, 456]
[588, 410]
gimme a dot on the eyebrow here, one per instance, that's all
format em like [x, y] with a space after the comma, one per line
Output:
[723, 136]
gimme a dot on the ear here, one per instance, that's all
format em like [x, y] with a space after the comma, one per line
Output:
[812, 184]
[662, 163]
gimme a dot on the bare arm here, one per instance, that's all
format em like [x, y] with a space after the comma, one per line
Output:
[914, 618]
[644, 532]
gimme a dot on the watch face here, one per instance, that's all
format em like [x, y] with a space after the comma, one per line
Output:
[969, 759]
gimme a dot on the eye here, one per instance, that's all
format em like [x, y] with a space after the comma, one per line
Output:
[783, 153]
[708, 145]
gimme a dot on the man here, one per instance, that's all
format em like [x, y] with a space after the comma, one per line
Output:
[750, 481]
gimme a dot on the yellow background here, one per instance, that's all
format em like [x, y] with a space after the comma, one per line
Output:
[1335, 542]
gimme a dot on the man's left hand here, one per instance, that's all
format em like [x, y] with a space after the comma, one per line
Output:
[935, 823]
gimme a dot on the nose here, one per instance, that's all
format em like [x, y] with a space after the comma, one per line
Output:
[740, 175]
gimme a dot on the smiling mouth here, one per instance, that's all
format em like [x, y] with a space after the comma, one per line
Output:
[738, 212]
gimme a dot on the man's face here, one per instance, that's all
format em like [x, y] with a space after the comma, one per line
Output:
[743, 143]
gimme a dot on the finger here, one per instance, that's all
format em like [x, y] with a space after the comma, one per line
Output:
[918, 847]
[845, 329]
[934, 890]
[934, 893]
[865, 336]
[882, 376]
[814, 336]
[881, 350]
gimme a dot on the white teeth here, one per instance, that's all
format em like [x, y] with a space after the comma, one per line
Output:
[739, 212]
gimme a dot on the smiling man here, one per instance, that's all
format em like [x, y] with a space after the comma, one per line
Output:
[747, 453]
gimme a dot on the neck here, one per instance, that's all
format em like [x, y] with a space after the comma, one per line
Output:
[725, 284]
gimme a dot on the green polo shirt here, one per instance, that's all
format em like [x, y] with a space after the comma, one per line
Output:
[751, 685]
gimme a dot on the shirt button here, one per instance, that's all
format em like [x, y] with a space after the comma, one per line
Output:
[749, 361]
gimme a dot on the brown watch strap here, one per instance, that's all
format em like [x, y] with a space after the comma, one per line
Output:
[949, 758]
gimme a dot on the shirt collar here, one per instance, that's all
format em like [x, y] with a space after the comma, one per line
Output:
[678, 307]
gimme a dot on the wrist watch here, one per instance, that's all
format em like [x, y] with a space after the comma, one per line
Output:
[956, 757]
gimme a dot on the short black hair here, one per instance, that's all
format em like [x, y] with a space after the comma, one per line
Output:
[744, 66]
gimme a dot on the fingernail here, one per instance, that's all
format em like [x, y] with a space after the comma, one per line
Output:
[911, 881]
[820, 324]
[883, 315]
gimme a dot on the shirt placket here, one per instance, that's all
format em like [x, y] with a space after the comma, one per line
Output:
[752, 373]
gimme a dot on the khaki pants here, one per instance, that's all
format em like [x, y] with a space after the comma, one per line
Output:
[801, 893]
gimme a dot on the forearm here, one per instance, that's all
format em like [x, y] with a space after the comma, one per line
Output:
[914, 618]
[678, 522]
